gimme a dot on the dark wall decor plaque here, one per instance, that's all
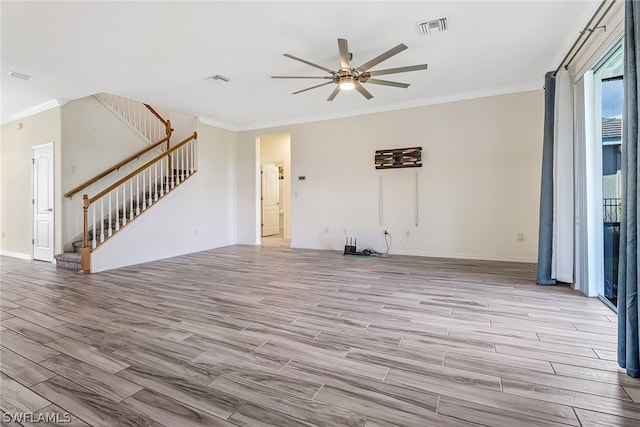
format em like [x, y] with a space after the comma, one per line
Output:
[399, 158]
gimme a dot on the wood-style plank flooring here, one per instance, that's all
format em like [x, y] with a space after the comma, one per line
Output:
[272, 336]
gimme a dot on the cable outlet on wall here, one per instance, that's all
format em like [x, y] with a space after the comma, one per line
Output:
[520, 237]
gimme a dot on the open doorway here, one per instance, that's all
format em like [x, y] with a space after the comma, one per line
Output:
[275, 185]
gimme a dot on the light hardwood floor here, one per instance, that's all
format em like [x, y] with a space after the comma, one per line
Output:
[272, 336]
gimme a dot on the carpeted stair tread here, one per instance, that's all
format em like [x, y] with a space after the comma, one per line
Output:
[70, 260]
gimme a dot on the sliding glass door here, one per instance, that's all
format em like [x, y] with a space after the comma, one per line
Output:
[608, 79]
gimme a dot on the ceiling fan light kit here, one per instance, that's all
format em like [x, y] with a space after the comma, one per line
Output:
[347, 83]
[347, 78]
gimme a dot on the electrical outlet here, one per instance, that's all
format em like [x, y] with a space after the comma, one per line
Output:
[520, 237]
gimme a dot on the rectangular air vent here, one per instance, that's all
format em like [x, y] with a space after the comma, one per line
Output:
[434, 26]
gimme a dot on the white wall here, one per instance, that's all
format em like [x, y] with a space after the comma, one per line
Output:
[183, 126]
[248, 184]
[478, 188]
[199, 215]
[18, 138]
[277, 149]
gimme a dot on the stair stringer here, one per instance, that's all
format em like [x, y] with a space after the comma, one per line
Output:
[175, 225]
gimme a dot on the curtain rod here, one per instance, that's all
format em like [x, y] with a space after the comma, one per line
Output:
[586, 30]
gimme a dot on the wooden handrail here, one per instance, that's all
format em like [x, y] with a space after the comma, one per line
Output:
[155, 113]
[115, 167]
[141, 168]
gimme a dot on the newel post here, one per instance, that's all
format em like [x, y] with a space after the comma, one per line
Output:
[86, 251]
[168, 130]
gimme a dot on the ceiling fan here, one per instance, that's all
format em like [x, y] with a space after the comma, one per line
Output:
[347, 78]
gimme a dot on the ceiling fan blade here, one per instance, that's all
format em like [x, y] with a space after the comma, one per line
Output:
[301, 77]
[383, 57]
[304, 61]
[363, 91]
[343, 47]
[388, 83]
[312, 87]
[398, 70]
[334, 93]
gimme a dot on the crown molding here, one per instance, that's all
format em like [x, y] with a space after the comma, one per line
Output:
[463, 96]
[213, 122]
[34, 110]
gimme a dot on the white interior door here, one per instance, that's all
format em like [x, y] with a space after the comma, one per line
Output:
[43, 202]
[270, 203]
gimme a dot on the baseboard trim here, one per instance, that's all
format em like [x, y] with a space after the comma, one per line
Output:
[525, 260]
[16, 255]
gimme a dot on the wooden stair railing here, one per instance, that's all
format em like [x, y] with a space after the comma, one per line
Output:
[133, 194]
[118, 165]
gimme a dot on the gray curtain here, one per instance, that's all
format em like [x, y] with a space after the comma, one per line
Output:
[628, 335]
[545, 232]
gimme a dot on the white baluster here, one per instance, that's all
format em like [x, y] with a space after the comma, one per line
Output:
[150, 186]
[117, 211]
[102, 220]
[188, 158]
[124, 204]
[109, 230]
[138, 194]
[141, 117]
[176, 166]
[131, 210]
[134, 117]
[161, 162]
[194, 149]
[182, 163]
[179, 164]
[173, 169]
[95, 229]
[144, 186]
[155, 182]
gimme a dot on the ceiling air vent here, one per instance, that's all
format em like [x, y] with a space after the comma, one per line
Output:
[219, 78]
[434, 26]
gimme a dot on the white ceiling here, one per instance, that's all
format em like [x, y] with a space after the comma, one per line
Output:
[161, 52]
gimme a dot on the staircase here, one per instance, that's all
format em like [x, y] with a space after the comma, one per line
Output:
[110, 210]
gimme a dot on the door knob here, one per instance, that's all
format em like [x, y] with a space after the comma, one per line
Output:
[49, 210]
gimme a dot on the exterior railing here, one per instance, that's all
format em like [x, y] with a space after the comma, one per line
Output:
[612, 210]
